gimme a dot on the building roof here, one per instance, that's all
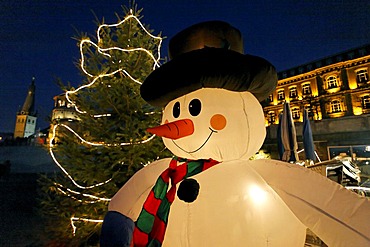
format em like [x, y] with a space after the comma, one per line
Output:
[333, 59]
[28, 107]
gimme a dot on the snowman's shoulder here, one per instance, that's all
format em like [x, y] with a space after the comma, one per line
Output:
[129, 199]
[156, 167]
[270, 164]
[276, 170]
[261, 163]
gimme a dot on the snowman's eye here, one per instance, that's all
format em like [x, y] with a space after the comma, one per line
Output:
[176, 110]
[194, 107]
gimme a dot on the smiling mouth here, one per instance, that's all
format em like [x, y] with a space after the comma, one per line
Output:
[196, 150]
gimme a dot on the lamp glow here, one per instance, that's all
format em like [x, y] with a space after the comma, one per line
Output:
[257, 194]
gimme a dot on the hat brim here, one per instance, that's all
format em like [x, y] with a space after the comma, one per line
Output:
[209, 68]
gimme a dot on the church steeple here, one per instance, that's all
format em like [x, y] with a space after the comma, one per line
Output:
[26, 118]
[29, 104]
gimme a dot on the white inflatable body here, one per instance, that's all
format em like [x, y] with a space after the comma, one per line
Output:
[243, 202]
[235, 207]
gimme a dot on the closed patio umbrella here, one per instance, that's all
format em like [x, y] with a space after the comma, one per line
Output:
[288, 135]
[308, 144]
[279, 141]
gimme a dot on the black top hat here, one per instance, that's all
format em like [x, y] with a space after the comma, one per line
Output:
[208, 55]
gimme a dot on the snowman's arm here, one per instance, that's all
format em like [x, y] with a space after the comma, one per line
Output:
[130, 198]
[126, 204]
[338, 216]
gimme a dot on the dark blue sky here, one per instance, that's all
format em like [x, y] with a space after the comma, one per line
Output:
[36, 36]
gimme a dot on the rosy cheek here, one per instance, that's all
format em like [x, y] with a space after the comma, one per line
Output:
[218, 122]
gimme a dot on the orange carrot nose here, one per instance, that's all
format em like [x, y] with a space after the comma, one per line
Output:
[174, 130]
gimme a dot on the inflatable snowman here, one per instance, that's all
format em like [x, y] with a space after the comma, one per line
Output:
[211, 194]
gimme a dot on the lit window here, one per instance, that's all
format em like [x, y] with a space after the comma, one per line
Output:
[366, 102]
[61, 103]
[308, 108]
[293, 92]
[306, 89]
[335, 106]
[281, 95]
[332, 82]
[271, 117]
[270, 99]
[362, 76]
[295, 113]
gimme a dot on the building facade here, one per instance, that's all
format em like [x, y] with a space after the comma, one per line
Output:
[336, 93]
[25, 124]
[63, 110]
[63, 113]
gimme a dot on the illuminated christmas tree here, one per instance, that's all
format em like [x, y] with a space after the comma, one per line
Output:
[108, 143]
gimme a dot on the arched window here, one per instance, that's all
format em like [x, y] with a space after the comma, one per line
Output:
[271, 117]
[332, 82]
[281, 94]
[293, 94]
[366, 102]
[296, 114]
[308, 108]
[335, 106]
[61, 103]
[306, 89]
[362, 76]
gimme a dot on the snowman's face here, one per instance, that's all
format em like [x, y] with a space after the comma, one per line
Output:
[227, 125]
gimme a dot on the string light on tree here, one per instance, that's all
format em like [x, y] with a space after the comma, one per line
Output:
[105, 52]
[107, 143]
[63, 190]
[51, 145]
[73, 219]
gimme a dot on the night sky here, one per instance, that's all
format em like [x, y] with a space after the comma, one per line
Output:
[36, 37]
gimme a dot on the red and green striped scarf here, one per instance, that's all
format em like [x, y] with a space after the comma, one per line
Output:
[150, 227]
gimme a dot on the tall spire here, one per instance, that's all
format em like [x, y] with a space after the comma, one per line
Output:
[29, 104]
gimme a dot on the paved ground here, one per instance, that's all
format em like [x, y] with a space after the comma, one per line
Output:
[19, 223]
